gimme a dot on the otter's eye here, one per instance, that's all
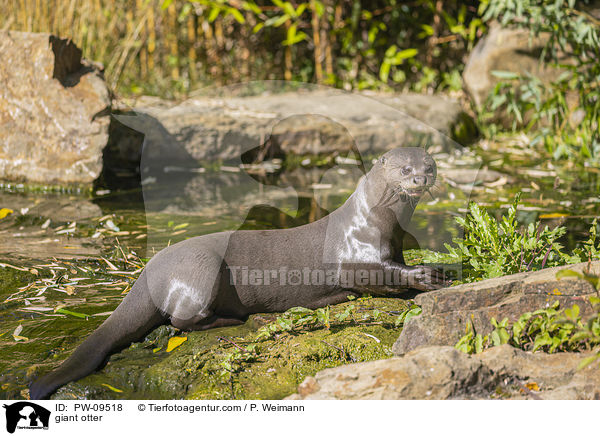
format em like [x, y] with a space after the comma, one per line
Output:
[406, 171]
[382, 160]
[428, 169]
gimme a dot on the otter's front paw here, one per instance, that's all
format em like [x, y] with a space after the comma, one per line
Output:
[426, 278]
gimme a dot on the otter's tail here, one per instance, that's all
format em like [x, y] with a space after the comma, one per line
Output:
[131, 320]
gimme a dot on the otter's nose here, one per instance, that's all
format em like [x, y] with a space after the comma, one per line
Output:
[420, 180]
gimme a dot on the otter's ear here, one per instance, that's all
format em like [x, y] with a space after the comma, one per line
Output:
[382, 160]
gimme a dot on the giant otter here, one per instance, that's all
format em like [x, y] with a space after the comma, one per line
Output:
[219, 279]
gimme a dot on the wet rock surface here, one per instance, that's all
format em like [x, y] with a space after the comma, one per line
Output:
[447, 312]
[320, 121]
[52, 128]
[442, 372]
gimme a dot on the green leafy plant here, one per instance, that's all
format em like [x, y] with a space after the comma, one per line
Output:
[562, 115]
[550, 330]
[233, 362]
[170, 47]
[590, 249]
[406, 315]
[297, 318]
[471, 342]
[301, 319]
[493, 248]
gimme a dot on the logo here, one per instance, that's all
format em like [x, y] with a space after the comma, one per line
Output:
[26, 415]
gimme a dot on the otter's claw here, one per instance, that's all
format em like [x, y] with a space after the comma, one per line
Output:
[426, 278]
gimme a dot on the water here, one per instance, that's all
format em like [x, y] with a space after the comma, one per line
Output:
[58, 252]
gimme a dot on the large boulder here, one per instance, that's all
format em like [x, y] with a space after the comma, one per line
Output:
[308, 122]
[447, 312]
[505, 49]
[51, 106]
[442, 373]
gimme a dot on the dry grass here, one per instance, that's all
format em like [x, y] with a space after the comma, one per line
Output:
[145, 48]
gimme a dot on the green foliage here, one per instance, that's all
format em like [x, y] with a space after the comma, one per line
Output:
[549, 330]
[493, 248]
[590, 249]
[169, 47]
[471, 342]
[299, 319]
[233, 362]
[406, 315]
[562, 115]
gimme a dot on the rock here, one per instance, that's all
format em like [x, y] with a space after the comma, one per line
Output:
[306, 122]
[194, 370]
[441, 373]
[48, 102]
[505, 49]
[446, 312]
[66, 209]
[467, 176]
[556, 375]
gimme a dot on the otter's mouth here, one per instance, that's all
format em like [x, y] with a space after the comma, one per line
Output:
[415, 192]
[412, 192]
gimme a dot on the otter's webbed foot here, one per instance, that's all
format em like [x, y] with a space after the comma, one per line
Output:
[420, 277]
[426, 278]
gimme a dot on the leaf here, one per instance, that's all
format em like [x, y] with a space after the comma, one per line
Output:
[4, 212]
[277, 21]
[405, 54]
[505, 75]
[237, 15]
[251, 6]
[568, 273]
[319, 7]
[17, 334]
[587, 361]
[532, 386]
[111, 226]
[427, 31]
[112, 388]
[384, 71]
[552, 215]
[110, 264]
[572, 313]
[412, 313]
[18, 330]
[68, 312]
[214, 13]
[478, 343]
[289, 9]
[175, 342]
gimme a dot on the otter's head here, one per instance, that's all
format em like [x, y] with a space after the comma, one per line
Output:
[410, 171]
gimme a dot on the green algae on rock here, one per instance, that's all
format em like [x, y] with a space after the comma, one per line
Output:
[239, 363]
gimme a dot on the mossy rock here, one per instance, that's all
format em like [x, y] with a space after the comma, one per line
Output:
[210, 365]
